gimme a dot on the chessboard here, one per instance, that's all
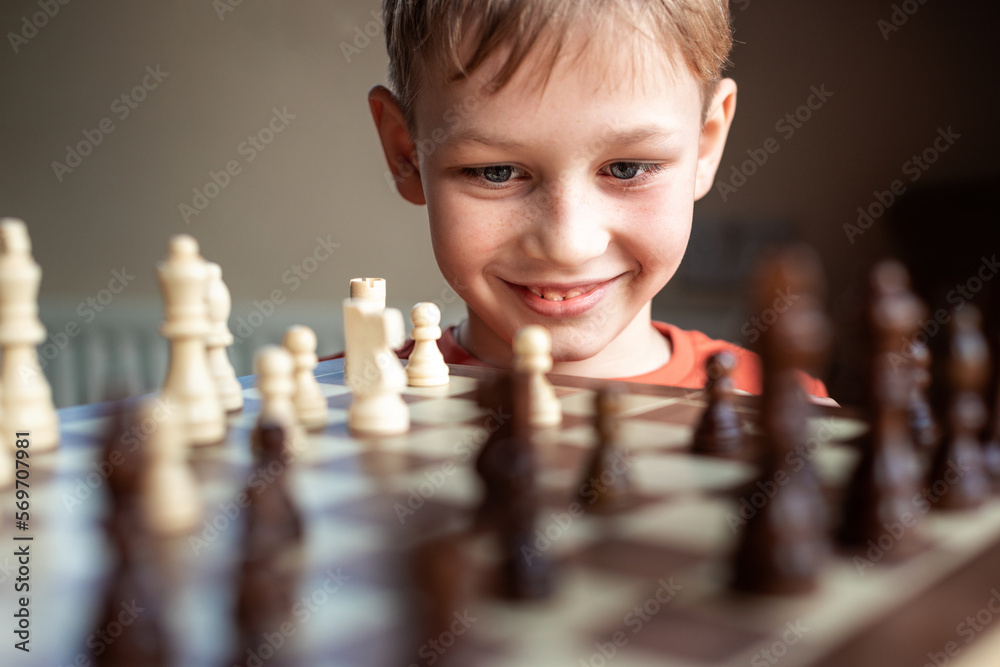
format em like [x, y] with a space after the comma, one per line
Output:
[645, 585]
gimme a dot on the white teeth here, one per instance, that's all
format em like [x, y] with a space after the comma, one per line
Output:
[557, 296]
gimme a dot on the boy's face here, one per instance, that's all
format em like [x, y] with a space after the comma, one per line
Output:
[567, 205]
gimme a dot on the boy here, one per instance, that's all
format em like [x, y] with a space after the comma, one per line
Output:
[559, 146]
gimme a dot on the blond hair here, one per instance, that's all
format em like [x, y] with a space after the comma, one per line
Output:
[460, 35]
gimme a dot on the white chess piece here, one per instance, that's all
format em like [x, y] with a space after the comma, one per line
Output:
[171, 498]
[370, 290]
[275, 371]
[26, 395]
[189, 382]
[426, 367]
[377, 377]
[7, 458]
[219, 338]
[533, 354]
[310, 404]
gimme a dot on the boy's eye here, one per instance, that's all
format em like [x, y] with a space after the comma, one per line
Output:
[498, 174]
[626, 170]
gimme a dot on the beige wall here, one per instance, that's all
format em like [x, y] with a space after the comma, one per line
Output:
[320, 177]
[324, 176]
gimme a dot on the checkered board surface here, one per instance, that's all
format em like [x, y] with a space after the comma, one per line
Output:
[641, 587]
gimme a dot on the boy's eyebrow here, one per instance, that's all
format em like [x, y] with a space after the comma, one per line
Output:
[636, 135]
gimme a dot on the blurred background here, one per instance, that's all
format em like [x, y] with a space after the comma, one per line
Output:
[866, 129]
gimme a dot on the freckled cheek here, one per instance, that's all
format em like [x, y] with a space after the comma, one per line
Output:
[657, 237]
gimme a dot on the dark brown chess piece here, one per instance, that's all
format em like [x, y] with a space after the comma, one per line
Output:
[441, 576]
[607, 484]
[719, 432]
[922, 424]
[497, 395]
[958, 478]
[132, 592]
[269, 575]
[878, 500]
[991, 440]
[128, 462]
[273, 507]
[525, 571]
[783, 546]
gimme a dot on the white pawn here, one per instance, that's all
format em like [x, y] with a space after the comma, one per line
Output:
[533, 355]
[275, 371]
[426, 367]
[171, 498]
[310, 404]
[377, 376]
[189, 382]
[26, 395]
[7, 458]
[220, 304]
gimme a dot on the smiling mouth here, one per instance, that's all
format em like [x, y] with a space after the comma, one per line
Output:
[557, 294]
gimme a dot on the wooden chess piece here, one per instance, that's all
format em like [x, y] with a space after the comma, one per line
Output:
[171, 497]
[189, 382]
[783, 547]
[925, 429]
[719, 432]
[7, 463]
[124, 488]
[273, 506]
[607, 483]
[525, 573]
[369, 290]
[275, 371]
[310, 404]
[991, 442]
[25, 393]
[533, 355]
[497, 395]
[426, 367]
[440, 573]
[887, 476]
[269, 573]
[375, 375]
[133, 598]
[219, 338]
[958, 476]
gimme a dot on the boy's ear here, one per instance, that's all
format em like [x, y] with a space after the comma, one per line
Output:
[400, 153]
[713, 135]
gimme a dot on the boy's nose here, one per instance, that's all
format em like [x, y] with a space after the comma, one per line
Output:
[566, 228]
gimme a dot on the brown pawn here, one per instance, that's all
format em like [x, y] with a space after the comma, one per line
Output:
[720, 432]
[607, 484]
[144, 640]
[922, 425]
[783, 547]
[958, 464]
[441, 573]
[268, 576]
[132, 586]
[272, 507]
[525, 572]
[495, 395]
[991, 442]
[887, 476]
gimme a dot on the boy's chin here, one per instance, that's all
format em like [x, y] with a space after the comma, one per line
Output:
[564, 349]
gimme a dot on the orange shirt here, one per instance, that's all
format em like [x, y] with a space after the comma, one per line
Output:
[686, 368]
